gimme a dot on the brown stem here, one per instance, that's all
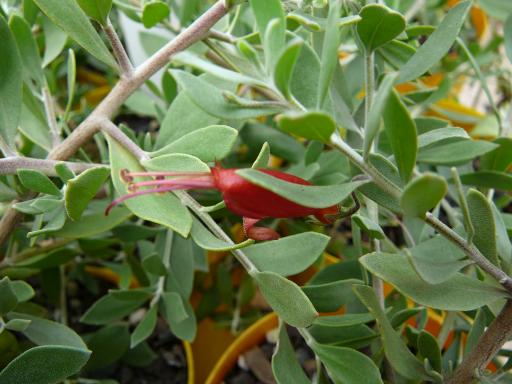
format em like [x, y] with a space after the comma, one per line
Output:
[498, 333]
[119, 52]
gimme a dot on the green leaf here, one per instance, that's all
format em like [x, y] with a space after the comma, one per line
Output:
[286, 298]
[82, 189]
[488, 179]
[265, 13]
[91, 225]
[437, 259]
[369, 226]
[284, 67]
[108, 309]
[329, 59]
[181, 268]
[346, 365]
[458, 293]
[306, 195]
[289, 255]
[8, 299]
[456, 153]
[305, 77]
[330, 296]
[437, 45]
[207, 144]
[180, 316]
[401, 131]
[96, 9]
[507, 29]
[55, 40]
[213, 100]
[500, 158]
[36, 181]
[423, 194]
[482, 218]
[33, 366]
[11, 81]
[206, 240]
[145, 328]
[108, 345]
[164, 209]
[29, 52]
[49, 260]
[348, 320]
[263, 158]
[310, 125]
[45, 332]
[192, 117]
[154, 12]
[64, 172]
[17, 325]
[378, 107]
[23, 291]
[428, 348]
[379, 25]
[441, 135]
[285, 366]
[400, 358]
[154, 265]
[68, 15]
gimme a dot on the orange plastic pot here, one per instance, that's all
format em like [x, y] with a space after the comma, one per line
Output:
[251, 337]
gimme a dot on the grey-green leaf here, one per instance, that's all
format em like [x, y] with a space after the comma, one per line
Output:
[289, 255]
[206, 240]
[164, 209]
[311, 125]
[208, 144]
[437, 45]
[423, 194]
[68, 15]
[81, 190]
[379, 25]
[458, 293]
[401, 131]
[395, 349]
[456, 153]
[11, 80]
[286, 298]
[96, 9]
[285, 366]
[346, 365]
[284, 67]
[145, 328]
[36, 181]
[306, 195]
[482, 218]
[33, 366]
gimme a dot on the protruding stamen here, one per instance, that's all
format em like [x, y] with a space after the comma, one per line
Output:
[165, 174]
[200, 183]
[125, 175]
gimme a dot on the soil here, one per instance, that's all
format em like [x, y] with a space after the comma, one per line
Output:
[254, 366]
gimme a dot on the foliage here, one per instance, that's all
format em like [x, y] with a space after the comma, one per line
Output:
[406, 179]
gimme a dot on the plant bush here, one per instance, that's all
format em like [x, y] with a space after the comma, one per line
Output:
[364, 103]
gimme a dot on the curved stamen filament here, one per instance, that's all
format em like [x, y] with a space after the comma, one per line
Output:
[129, 175]
[185, 183]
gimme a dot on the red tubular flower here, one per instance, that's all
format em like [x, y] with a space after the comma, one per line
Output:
[242, 197]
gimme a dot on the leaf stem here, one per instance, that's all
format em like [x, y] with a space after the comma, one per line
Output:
[118, 49]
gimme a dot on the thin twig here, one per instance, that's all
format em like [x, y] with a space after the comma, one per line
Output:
[10, 165]
[118, 49]
[50, 116]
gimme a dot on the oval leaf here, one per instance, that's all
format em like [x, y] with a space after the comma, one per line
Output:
[379, 25]
[286, 298]
[423, 194]
[310, 125]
